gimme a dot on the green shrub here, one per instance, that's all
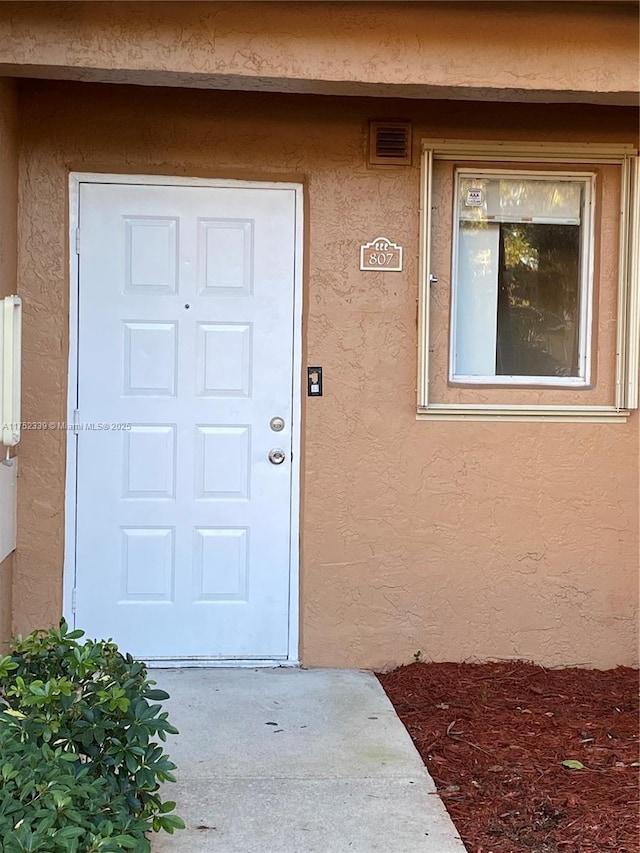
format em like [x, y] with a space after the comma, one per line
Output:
[49, 802]
[83, 716]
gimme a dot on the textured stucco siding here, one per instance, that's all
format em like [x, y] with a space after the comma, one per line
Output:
[462, 540]
[508, 52]
[8, 260]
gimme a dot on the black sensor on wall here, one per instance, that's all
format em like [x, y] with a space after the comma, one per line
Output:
[314, 381]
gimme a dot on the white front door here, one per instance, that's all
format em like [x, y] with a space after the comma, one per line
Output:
[185, 357]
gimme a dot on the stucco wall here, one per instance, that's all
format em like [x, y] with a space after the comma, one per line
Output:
[462, 540]
[509, 51]
[8, 259]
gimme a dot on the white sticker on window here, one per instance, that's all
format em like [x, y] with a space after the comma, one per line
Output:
[475, 197]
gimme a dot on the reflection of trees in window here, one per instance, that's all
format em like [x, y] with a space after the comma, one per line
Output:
[538, 300]
[518, 309]
[512, 200]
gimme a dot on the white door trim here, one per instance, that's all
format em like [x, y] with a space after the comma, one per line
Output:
[75, 180]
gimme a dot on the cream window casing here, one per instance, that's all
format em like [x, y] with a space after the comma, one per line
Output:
[609, 312]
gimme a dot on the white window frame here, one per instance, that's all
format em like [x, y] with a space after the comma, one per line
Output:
[628, 304]
[587, 179]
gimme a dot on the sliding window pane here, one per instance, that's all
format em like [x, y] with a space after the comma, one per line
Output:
[538, 312]
[475, 330]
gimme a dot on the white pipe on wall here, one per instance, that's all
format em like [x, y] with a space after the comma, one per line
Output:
[10, 369]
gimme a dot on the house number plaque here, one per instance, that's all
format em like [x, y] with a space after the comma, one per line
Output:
[381, 254]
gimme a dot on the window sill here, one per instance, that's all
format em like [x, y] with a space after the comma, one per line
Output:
[552, 414]
[520, 381]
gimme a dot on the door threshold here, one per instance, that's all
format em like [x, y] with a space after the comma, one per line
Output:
[210, 663]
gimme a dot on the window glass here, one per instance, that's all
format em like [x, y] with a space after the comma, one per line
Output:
[520, 279]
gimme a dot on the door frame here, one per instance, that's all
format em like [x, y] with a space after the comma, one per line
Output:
[70, 526]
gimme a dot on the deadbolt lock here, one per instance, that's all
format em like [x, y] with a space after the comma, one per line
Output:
[277, 456]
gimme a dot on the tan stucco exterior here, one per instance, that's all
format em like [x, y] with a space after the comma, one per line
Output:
[461, 540]
[520, 51]
[8, 263]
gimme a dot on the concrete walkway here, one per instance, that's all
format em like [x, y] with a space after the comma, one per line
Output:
[296, 761]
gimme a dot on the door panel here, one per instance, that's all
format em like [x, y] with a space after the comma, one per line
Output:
[185, 353]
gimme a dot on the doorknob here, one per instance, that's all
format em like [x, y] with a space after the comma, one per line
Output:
[277, 456]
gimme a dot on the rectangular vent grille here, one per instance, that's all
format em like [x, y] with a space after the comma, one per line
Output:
[390, 143]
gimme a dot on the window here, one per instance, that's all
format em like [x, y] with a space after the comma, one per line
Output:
[522, 279]
[530, 304]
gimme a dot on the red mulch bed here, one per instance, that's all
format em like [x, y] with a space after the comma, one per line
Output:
[494, 736]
